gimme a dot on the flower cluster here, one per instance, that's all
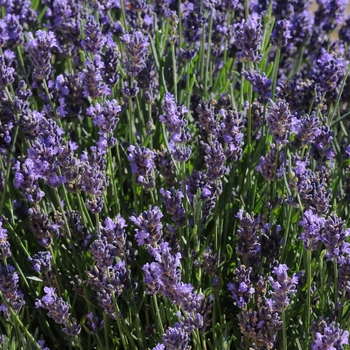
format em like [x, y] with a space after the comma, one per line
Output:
[142, 165]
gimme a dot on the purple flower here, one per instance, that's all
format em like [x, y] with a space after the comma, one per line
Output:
[207, 118]
[312, 188]
[280, 121]
[26, 176]
[6, 73]
[94, 323]
[328, 72]
[173, 116]
[159, 347]
[241, 290]
[180, 152]
[42, 227]
[308, 129]
[312, 224]
[142, 165]
[173, 20]
[330, 337]
[281, 33]
[103, 253]
[320, 145]
[161, 276]
[9, 281]
[5, 251]
[176, 338]
[44, 150]
[333, 236]
[110, 60]
[262, 85]
[329, 14]
[14, 30]
[262, 326]
[137, 49]
[208, 191]
[267, 165]
[247, 38]
[41, 262]
[214, 159]
[109, 283]
[173, 203]
[72, 328]
[94, 39]
[70, 88]
[282, 287]
[192, 24]
[57, 307]
[231, 126]
[93, 85]
[41, 343]
[149, 229]
[344, 277]
[184, 296]
[40, 52]
[114, 232]
[4, 36]
[130, 91]
[93, 178]
[105, 116]
[249, 244]
[210, 262]
[301, 28]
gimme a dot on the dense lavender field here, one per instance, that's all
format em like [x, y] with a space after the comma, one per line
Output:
[174, 175]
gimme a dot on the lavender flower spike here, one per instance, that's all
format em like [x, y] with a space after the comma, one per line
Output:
[281, 33]
[330, 337]
[137, 48]
[173, 116]
[329, 72]
[282, 287]
[142, 165]
[94, 39]
[241, 290]
[5, 251]
[312, 224]
[57, 307]
[262, 84]
[280, 121]
[149, 226]
[248, 36]
[40, 52]
[173, 203]
[333, 236]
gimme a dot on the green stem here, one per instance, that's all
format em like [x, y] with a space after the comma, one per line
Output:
[340, 94]
[112, 177]
[180, 22]
[335, 267]
[19, 322]
[208, 56]
[340, 119]
[246, 8]
[250, 146]
[173, 57]
[308, 298]
[68, 231]
[49, 98]
[106, 329]
[159, 319]
[275, 73]
[284, 330]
